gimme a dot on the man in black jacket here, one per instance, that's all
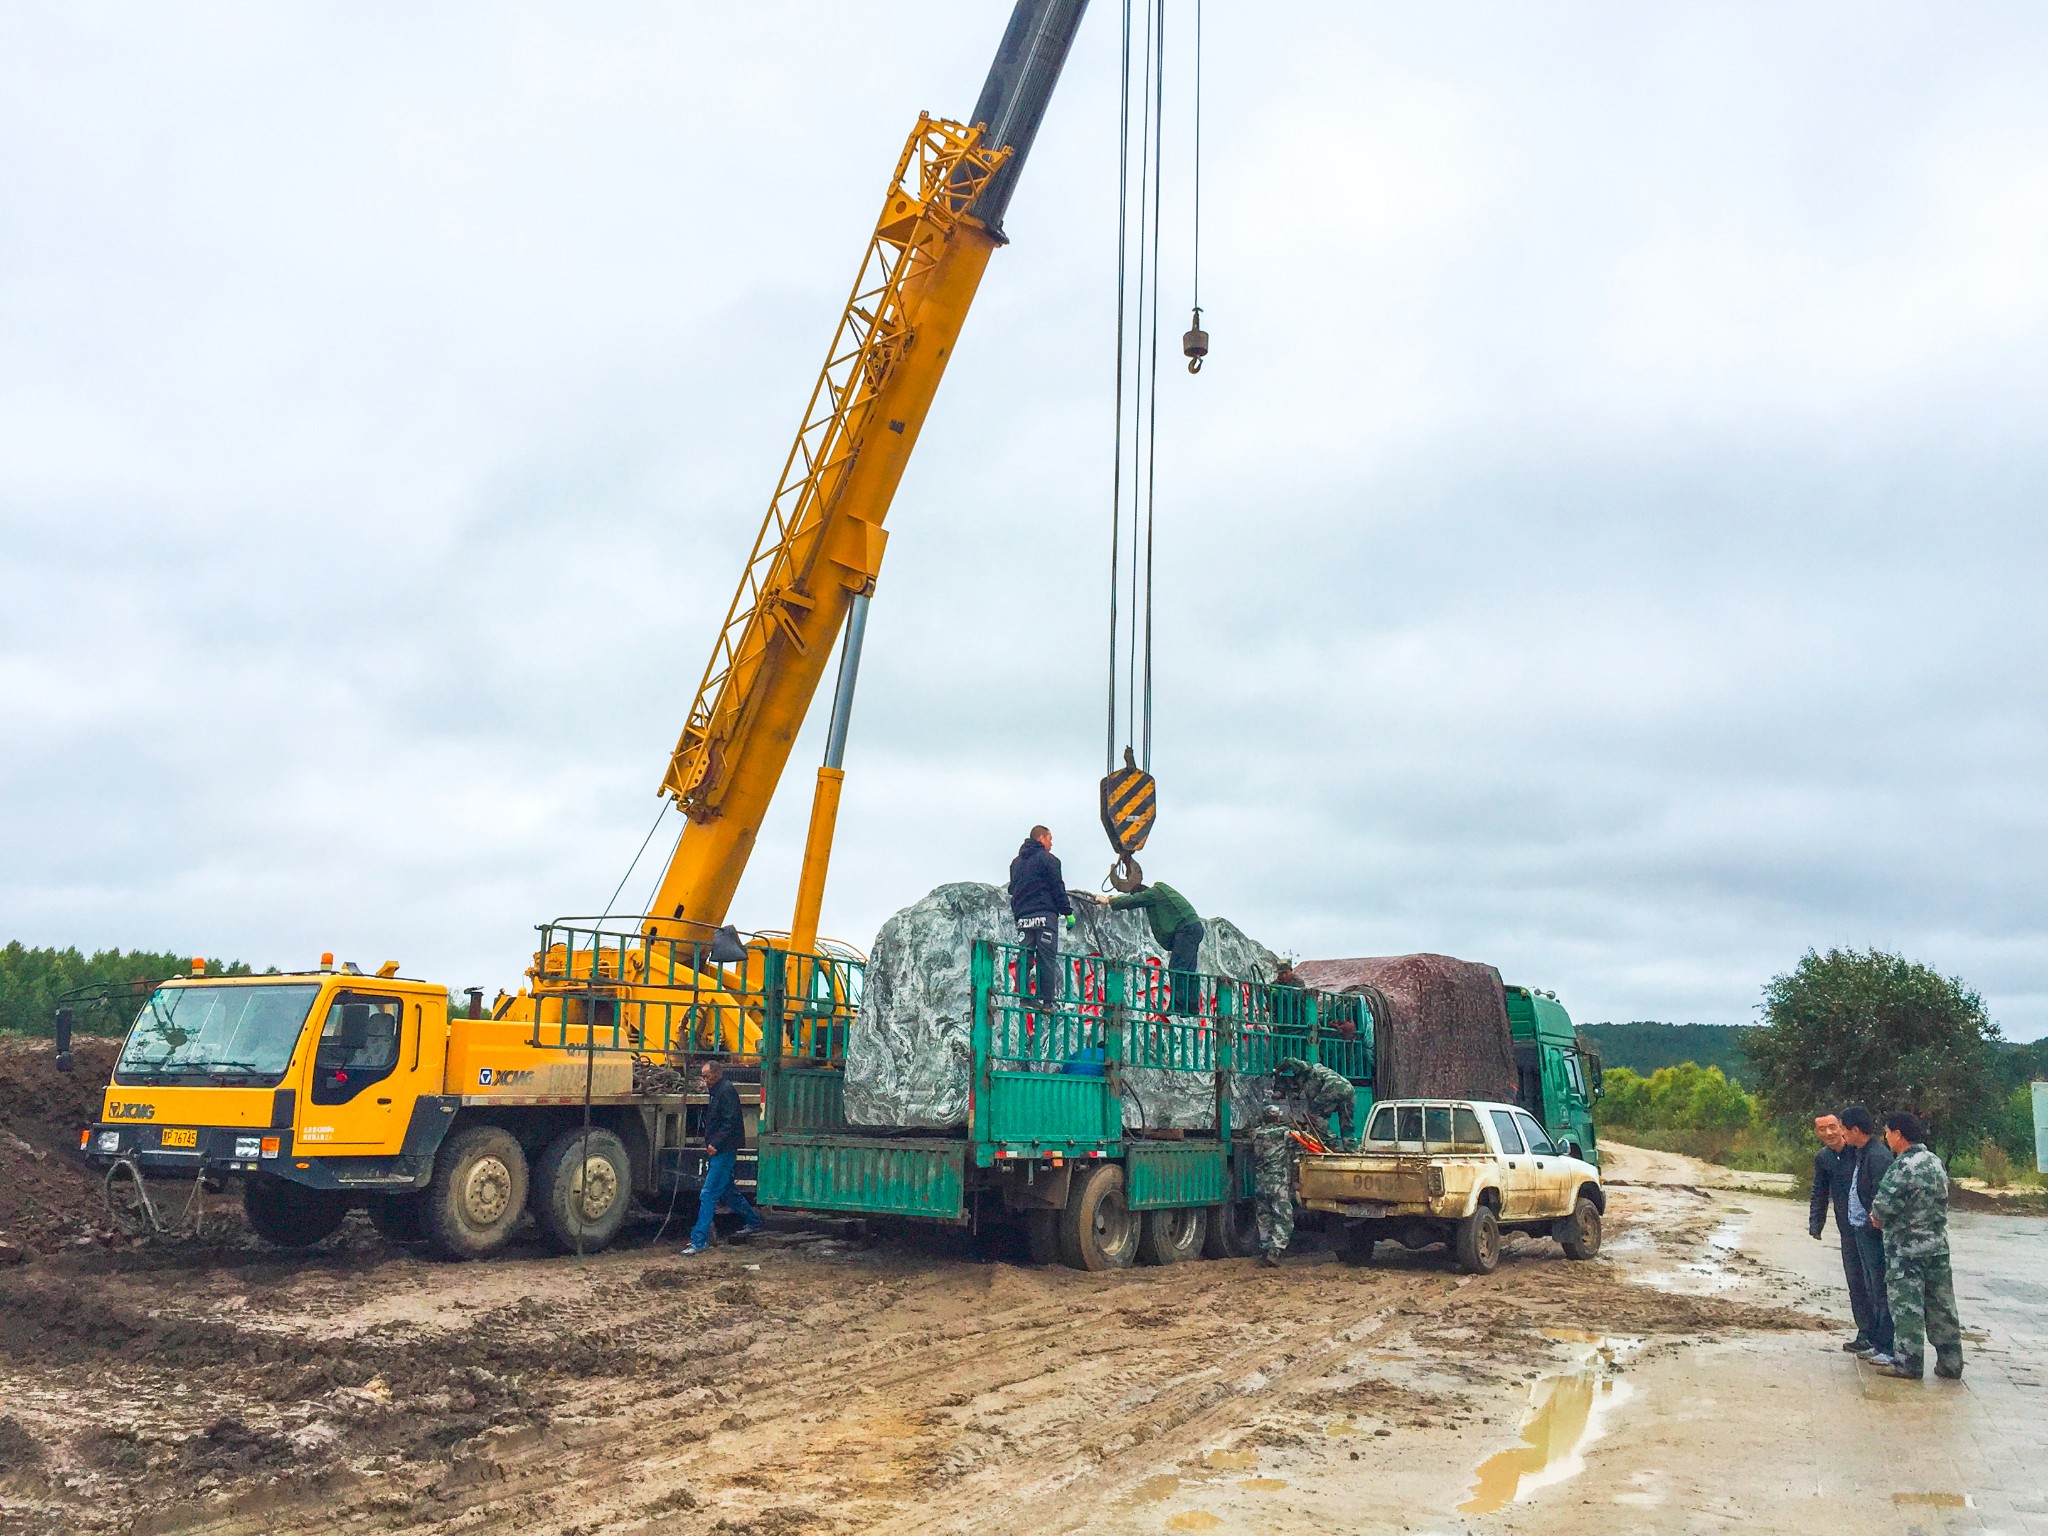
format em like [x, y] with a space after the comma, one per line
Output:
[1038, 904]
[1867, 1158]
[1833, 1165]
[724, 1134]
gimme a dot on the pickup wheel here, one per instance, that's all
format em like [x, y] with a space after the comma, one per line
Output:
[1097, 1229]
[478, 1193]
[1360, 1238]
[1579, 1233]
[1233, 1231]
[291, 1215]
[1478, 1242]
[583, 1188]
[1174, 1235]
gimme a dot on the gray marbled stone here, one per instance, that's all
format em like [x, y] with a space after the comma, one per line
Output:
[908, 1055]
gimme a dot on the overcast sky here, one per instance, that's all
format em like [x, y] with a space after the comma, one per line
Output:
[1607, 540]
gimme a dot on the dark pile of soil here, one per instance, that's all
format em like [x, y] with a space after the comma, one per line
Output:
[49, 1197]
[1446, 1030]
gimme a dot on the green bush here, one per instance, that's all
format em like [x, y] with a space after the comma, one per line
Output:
[1697, 1111]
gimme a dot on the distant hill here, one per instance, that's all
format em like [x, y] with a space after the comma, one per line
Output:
[1643, 1046]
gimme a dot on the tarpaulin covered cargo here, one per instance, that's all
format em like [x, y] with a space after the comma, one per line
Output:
[909, 1053]
[1440, 1024]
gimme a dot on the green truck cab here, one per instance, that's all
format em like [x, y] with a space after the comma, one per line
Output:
[1557, 1073]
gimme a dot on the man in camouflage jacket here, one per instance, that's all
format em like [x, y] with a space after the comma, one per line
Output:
[1324, 1091]
[1911, 1209]
[1273, 1182]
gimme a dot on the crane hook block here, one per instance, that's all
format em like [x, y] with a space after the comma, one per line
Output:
[1195, 344]
[1130, 805]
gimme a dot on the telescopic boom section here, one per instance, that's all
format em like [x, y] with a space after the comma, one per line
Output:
[820, 546]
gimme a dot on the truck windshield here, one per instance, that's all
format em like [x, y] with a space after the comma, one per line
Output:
[244, 1031]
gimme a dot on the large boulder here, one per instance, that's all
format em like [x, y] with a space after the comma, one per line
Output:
[908, 1056]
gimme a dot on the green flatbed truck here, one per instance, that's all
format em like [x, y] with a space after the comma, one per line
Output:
[1055, 1135]
[1557, 1072]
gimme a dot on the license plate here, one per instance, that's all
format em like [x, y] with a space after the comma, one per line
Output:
[177, 1138]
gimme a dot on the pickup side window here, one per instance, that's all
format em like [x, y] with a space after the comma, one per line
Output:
[1533, 1134]
[1504, 1128]
[358, 1046]
[1411, 1122]
[1382, 1128]
[1436, 1125]
[1465, 1131]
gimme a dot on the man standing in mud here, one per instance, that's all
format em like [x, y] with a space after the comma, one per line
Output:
[1273, 1182]
[1911, 1209]
[724, 1134]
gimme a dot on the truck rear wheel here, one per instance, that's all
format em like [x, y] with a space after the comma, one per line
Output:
[1478, 1242]
[291, 1215]
[1233, 1231]
[1172, 1235]
[1579, 1233]
[478, 1193]
[583, 1187]
[1042, 1235]
[1097, 1229]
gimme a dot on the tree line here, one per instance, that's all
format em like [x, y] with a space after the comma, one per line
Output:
[33, 980]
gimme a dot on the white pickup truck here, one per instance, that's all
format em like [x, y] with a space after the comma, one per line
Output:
[1458, 1172]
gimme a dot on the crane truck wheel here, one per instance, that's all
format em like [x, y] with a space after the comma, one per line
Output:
[399, 1218]
[1478, 1242]
[583, 1189]
[291, 1215]
[1233, 1231]
[1173, 1235]
[1579, 1233]
[478, 1193]
[1097, 1229]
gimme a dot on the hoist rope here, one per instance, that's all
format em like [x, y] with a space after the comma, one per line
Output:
[1152, 418]
[1198, 157]
[1116, 495]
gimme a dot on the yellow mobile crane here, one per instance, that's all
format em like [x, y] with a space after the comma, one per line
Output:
[328, 1089]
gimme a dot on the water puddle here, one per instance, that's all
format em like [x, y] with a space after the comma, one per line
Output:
[1935, 1500]
[1193, 1520]
[1231, 1461]
[1714, 1270]
[1155, 1490]
[1568, 1410]
[1262, 1484]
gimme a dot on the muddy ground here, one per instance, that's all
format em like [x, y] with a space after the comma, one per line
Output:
[815, 1380]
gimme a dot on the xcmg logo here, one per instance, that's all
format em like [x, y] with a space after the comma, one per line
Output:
[500, 1077]
[131, 1111]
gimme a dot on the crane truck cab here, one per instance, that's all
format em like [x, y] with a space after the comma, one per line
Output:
[323, 1091]
[1557, 1072]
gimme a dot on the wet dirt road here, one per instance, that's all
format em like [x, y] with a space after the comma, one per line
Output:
[810, 1383]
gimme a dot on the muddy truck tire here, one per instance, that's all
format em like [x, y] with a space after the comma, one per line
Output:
[291, 1215]
[1478, 1242]
[1042, 1236]
[1098, 1229]
[1233, 1231]
[1579, 1233]
[478, 1193]
[399, 1218]
[1360, 1238]
[583, 1189]
[1173, 1235]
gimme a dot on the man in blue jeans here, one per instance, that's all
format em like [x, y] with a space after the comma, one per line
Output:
[724, 1134]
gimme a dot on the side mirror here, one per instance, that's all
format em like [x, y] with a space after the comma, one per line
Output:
[63, 1040]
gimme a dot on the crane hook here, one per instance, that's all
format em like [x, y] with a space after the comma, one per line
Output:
[1195, 344]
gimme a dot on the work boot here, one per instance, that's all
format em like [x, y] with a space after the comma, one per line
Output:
[1949, 1372]
[1905, 1370]
[1270, 1259]
[1859, 1345]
